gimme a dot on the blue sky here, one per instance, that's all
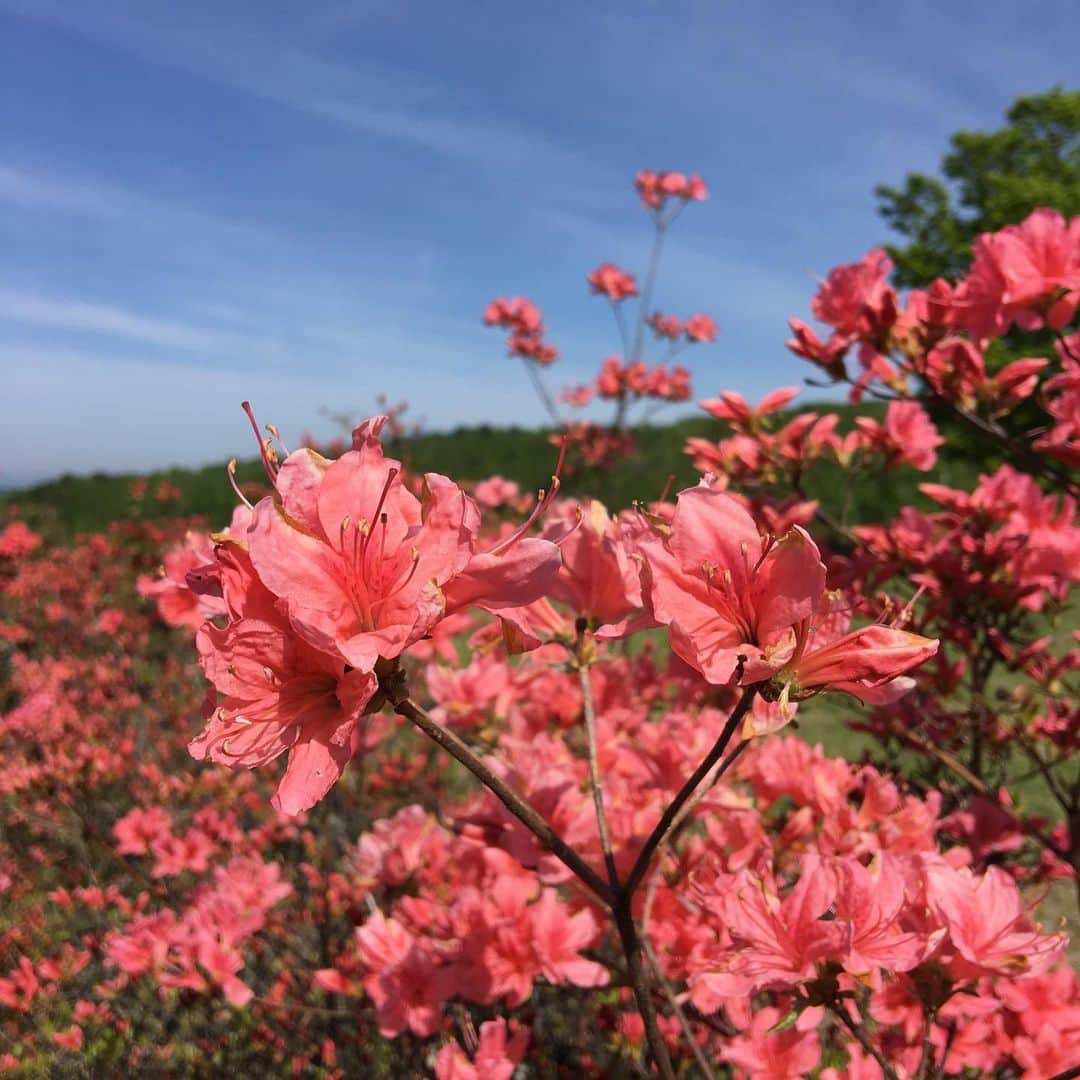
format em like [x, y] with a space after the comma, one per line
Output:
[305, 205]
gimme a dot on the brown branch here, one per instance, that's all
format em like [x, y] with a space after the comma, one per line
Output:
[673, 1001]
[656, 837]
[980, 786]
[864, 1041]
[513, 802]
[631, 946]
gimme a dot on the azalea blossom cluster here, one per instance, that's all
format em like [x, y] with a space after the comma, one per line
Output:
[760, 454]
[937, 343]
[521, 319]
[908, 916]
[202, 948]
[748, 611]
[991, 570]
[296, 667]
[470, 909]
[989, 563]
[626, 378]
[616, 382]
[696, 328]
[657, 188]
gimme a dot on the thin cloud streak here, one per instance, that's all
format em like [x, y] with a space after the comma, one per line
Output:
[46, 191]
[62, 314]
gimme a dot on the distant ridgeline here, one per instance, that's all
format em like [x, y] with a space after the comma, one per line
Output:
[74, 504]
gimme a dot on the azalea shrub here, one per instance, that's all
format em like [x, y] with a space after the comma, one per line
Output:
[492, 783]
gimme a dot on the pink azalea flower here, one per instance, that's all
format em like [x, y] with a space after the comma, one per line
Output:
[856, 299]
[1048, 1054]
[177, 604]
[365, 568]
[404, 983]
[908, 435]
[139, 828]
[986, 924]
[733, 407]
[496, 491]
[871, 901]
[665, 326]
[608, 280]
[495, 1058]
[735, 602]
[278, 694]
[764, 1054]
[557, 939]
[774, 942]
[1027, 273]
[17, 540]
[598, 579]
[700, 328]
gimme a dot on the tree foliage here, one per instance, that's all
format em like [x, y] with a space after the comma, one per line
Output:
[990, 179]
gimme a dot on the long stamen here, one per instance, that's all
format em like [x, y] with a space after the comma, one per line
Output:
[415, 557]
[720, 596]
[264, 444]
[273, 429]
[766, 547]
[379, 517]
[802, 638]
[904, 616]
[579, 518]
[383, 519]
[360, 535]
[543, 501]
[231, 470]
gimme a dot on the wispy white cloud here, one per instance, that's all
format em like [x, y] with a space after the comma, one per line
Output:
[47, 191]
[75, 315]
[40, 192]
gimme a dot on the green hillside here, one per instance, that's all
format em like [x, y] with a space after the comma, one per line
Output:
[73, 504]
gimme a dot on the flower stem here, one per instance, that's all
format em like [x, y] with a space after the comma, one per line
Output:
[513, 802]
[656, 837]
[631, 946]
[861, 1037]
[594, 775]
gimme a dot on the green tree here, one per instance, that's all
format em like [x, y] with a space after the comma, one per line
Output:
[991, 179]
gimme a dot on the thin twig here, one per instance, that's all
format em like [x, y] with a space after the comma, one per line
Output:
[669, 992]
[620, 322]
[1068, 1074]
[886, 1069]
[542, 391]
[647, 288]
[594, 775]
[1063, 341]
[314, 1010]
[705, 788]
[513, 802]
[655, 838]
[939, 1072]
[631, 946]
